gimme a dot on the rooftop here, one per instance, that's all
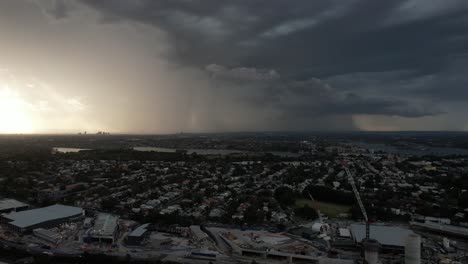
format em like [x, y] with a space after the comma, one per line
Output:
[139, 231]
[36, 216]
[344, 232]
[47, 233]
[8, 204]
[105, 225]
[197, 232]
[386, 235]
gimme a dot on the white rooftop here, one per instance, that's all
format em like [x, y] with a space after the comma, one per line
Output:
[344, 232]
[139, 231]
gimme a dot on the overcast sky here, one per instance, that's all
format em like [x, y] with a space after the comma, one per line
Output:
[163, 66]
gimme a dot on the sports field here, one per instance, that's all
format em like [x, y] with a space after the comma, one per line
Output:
[329, 209]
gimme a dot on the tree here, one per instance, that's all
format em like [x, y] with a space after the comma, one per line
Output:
[327, 194]
[109, 204]
[306, 212]
[253, 215]
[463, 200]
[285, 196]
[355, 212]
[238, 171]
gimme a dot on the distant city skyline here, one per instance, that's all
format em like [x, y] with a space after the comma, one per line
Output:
[165, 66]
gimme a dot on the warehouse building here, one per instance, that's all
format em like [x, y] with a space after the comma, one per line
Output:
[197, 234]
[12, 205]
[47, 235]
[46, 217]
[137, 236]
[105, 229]
[391, 238]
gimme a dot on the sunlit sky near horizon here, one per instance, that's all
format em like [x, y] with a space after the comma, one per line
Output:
[165, 66]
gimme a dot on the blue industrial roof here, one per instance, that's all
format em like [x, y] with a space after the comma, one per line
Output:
[36, 216]
[139, 231]
[386, 235]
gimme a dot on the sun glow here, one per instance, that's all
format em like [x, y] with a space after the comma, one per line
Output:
[14, 117]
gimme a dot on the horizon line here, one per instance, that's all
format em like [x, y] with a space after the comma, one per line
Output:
[228, 132]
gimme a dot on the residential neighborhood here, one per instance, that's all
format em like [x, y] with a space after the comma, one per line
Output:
[188, 196]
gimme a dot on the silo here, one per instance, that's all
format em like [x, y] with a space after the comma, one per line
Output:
[446, 243]
[413, 249]
[371, 251]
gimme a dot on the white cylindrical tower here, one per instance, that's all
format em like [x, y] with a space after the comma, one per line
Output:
[413, 249]
[446, 243]
[371, 251]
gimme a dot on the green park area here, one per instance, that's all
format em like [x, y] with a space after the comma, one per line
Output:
[329, 209]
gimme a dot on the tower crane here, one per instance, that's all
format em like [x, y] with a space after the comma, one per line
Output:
[371, 246]
[318, 209]
[358, 198]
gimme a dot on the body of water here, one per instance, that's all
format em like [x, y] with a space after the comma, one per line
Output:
[435, 151]
[190, 151]
[215, 151]
[68, 150]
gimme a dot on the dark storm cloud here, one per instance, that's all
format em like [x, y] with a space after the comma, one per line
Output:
[305, 59]
[304, 38]
[308, 98]
[444, 86]
[312, 38]
[60, 9]
[57, 9]
[211, 31]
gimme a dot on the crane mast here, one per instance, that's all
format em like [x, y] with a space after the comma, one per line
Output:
[318, 209]
[358, 198]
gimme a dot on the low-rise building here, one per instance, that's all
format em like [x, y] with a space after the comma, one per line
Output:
[105, 229]
[10, 205]
[46, 217]
[137, 236]
[47, 235]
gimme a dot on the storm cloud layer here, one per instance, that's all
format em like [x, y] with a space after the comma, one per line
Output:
[210, 65]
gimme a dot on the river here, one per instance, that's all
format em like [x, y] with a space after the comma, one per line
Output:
[422, 151]
[216, 151]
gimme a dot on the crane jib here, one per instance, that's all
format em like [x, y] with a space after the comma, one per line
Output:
[358, 198]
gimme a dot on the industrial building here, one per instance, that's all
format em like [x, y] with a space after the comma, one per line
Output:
[47, 235]
[137, 236]
[105, 229]
[197, 234]
[389, 237]
[88, 222]
[12, 205]
[46, 217]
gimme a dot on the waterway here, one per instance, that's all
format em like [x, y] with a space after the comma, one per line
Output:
[68, 150]
[420, 151]
[215, 151]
